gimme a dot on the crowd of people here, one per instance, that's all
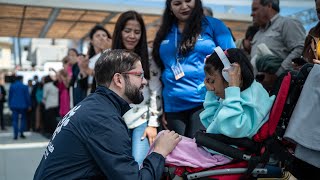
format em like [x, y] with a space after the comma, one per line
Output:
[112, 100]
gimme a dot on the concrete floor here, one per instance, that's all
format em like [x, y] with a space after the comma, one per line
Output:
[20, 158]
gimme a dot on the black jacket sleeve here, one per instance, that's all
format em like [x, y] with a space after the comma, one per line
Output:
[110, 146]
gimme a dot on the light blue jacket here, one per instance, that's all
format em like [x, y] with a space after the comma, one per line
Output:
[240, 114]
[182, 94]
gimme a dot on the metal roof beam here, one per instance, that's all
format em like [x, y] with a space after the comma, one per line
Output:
[106, 5]
[53, 16]
[111, 5]
[74, 23]
[105, 21]
[22, 20]
[45, 19]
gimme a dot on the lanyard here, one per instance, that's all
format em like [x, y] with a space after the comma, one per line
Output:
[179, 57]
[176, 39]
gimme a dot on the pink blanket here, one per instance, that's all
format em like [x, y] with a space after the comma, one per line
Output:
[188, 154]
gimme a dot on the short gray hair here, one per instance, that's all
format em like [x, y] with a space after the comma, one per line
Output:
[274, 4]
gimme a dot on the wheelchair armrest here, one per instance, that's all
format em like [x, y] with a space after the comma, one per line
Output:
[221, 144]
[250, 145]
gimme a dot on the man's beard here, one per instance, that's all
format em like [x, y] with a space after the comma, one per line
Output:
[133, 93]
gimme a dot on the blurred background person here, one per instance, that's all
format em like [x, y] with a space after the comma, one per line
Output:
[3, 94]
[100, 39]
[34, 102]
[50, 100]
[245, 43]
[29, 117]
[284, 36]
[79, 80]
[72, 69]
[181, 44]
[19, 103]
[141, 119]
[73, 56]
[29, 84]
[63, 87]
[207, 11]
[40, 107]
[72, 60]
[311, 51]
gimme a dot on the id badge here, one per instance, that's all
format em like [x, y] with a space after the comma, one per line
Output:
[177, 71]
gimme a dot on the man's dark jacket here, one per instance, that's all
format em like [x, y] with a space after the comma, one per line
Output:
[92, 142]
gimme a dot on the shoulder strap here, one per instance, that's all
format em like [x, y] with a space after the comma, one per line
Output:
[314, 43]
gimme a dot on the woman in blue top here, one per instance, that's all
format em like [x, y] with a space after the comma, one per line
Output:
[184, 39]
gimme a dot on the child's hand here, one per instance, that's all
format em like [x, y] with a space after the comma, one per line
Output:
[235, 78]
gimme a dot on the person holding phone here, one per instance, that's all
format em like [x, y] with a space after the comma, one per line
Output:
[100, 40]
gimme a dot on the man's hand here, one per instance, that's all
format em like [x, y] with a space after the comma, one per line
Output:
[167, 141]
[150, 133]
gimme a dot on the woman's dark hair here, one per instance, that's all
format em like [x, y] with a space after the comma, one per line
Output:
[234, 55]
[47, 79]
[96, 28]
[142, 48]
[189, 35]
[74, 50]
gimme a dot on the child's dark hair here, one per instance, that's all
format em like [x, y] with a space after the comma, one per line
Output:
[234, 55]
